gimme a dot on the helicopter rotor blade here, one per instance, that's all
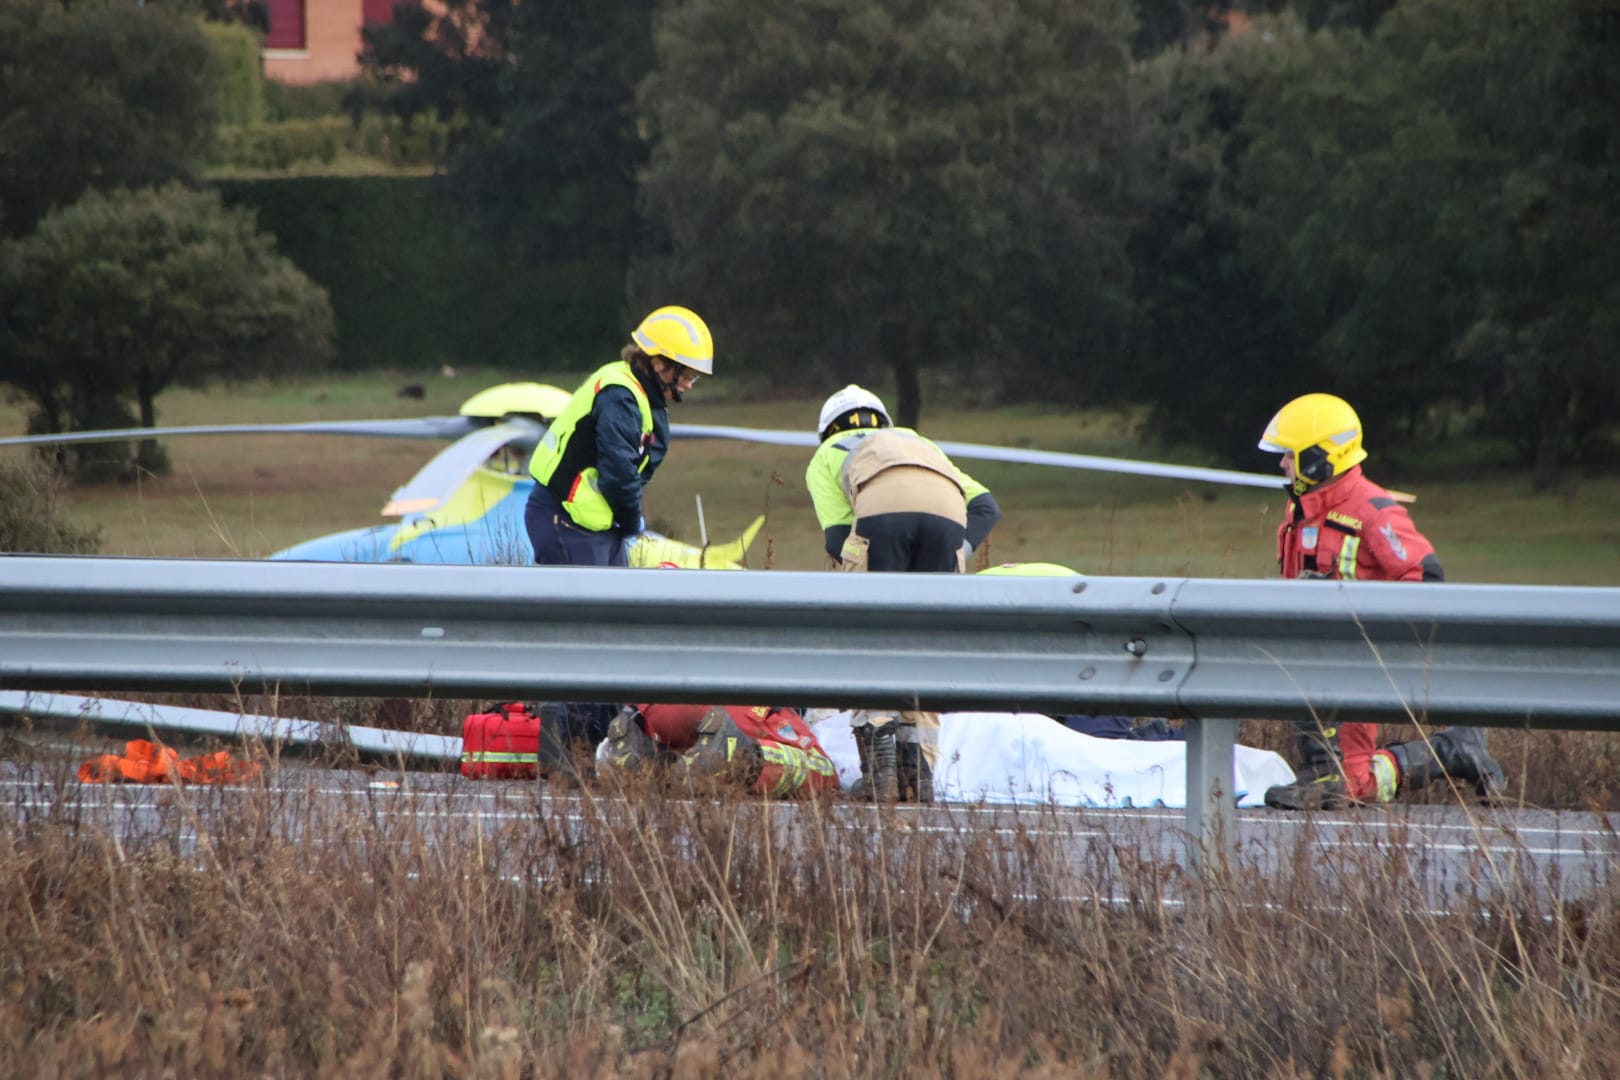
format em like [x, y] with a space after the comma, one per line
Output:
[979, 452]
[425, 427]
[443, 476]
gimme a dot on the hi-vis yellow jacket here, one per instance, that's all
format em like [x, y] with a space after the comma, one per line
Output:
[596, 457]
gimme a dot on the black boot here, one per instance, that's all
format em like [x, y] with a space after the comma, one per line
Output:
[1319, 779]
[880, 780]
[862, 788]
[629, 746]
[724, 751]
[914, 778]
[1457, 752]
[559, 745]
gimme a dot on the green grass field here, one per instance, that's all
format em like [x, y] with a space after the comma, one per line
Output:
[248, 496]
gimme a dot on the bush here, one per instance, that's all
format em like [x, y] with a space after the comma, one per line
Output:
[29, 518]
[286, 144]
[241, 82]
[409, 289]
[309, 101]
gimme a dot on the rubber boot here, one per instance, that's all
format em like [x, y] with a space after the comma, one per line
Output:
[862, 788]
[724, 751]
[1457, 752]
[629, 746]
[1319, 780]
[880, 778]
[558, 745]
[913, 777]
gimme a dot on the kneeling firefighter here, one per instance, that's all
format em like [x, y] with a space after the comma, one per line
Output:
[1340, 526]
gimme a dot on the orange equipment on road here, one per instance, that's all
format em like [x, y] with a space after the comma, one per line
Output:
[146, 762]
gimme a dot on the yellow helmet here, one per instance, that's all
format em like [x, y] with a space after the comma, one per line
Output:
[1322, 432]
[677, 333]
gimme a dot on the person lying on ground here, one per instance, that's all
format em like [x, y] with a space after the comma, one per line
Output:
[767, 751]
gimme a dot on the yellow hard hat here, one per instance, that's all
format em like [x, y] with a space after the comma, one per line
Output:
[677, 334]
[1322, 432]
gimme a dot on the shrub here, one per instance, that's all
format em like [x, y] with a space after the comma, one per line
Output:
[30, 520]
[241, 82]
[308, 101]
[287, 144]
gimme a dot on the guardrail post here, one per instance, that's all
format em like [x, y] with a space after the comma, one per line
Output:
[1211, 803]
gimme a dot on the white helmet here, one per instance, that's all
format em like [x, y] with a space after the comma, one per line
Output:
[852, 399]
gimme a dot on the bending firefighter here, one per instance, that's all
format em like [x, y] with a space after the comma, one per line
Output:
[888, 499]
[594, 462]
[1341, 526]
[767, 751]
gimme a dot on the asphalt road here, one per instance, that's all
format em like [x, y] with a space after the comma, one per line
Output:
[1456, 858]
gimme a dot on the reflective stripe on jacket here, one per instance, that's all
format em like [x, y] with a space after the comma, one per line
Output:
[1352, 530]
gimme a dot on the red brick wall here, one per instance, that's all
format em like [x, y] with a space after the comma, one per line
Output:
[331, 41]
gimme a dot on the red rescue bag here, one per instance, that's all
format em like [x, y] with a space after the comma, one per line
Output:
[501, 745]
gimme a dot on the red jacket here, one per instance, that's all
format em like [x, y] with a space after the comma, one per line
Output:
[1351, 529]
[794, 759]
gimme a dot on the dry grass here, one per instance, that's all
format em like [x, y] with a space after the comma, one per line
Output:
[650, 936]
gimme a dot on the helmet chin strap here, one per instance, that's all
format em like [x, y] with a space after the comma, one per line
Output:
[1311, 469]
[670, 387]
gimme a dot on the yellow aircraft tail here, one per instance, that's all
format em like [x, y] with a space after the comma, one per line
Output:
[650, 551]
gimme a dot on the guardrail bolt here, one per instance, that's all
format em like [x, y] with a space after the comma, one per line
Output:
[1136, 647]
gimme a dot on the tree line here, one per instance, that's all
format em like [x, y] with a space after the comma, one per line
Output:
[1410, 203]
[1202, 211]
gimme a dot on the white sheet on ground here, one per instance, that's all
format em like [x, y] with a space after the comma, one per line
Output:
[1030, 759]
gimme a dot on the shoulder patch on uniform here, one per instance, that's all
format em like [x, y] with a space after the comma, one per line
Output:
[1383, 502]
[1395, 544]
[1344, 519]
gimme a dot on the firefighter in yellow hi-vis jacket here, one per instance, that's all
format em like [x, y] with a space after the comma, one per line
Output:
[887, 499]
[598, 456]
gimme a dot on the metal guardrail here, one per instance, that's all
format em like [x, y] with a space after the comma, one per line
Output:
[1207, 650]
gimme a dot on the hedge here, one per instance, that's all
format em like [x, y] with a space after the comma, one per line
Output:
[241, 82]
[288, 143]
[409, 289]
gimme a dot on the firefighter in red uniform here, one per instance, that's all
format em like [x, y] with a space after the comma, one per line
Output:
[1342, 526]
[771, 752]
